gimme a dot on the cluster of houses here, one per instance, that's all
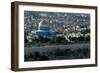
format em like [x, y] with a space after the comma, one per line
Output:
[75, 31]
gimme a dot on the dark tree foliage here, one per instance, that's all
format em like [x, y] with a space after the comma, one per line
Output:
[36, 54]
[59, 52]
[44, 57]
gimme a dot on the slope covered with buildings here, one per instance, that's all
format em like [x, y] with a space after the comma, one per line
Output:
[63, 27]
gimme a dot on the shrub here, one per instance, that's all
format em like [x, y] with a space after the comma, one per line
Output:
[44, 57]
[31, 55]
[36, 54]
[59, 52]
[67, 52]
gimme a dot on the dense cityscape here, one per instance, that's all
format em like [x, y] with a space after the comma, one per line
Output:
[46, 29]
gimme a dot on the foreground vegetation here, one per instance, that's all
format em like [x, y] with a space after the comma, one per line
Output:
[58, 54]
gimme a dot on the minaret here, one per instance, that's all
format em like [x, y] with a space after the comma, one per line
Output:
[39, 25]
